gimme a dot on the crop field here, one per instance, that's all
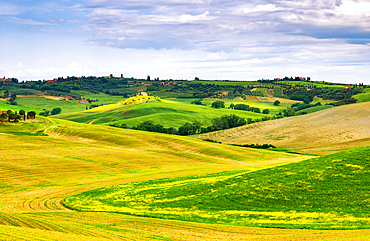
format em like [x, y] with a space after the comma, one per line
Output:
[323, 132]
[288, 196]
[39, 103]
[253, 103]
[243, 83]
[317, 84]
[169, 113]
[37, 172]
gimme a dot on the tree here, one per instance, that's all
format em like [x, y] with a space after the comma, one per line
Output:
[56, 111]
[266, 111]
[218, 104]
[276, 103]
[12, 117]
[257, 110]
[23, 113]
[9, 112]
[306, 100]
[3, 116]
[6, 94]
[232, 106]
[31, 114]
[13, 97]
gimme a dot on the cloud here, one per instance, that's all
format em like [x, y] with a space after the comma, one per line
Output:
[199, 23]
[8, 9]
[26, 21]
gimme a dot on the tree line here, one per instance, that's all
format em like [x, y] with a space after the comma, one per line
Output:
[11, 116]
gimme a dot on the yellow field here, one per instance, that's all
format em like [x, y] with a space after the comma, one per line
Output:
[37, 172]
[324, 132]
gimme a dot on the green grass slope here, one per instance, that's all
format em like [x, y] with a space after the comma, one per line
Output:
[330, 192]
[40, 103]
[168, 113]
[323, 132]
[363, 97]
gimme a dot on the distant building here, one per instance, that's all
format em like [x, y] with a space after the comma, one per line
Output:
[347, 87]
[4, 79]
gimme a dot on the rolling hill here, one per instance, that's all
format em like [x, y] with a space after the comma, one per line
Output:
[38, 171]
[328, 192]
[323, 132]
[168, 113]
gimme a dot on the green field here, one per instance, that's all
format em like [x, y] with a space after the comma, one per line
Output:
[363, 97]
[243, 83]
[317, 84]
[258, 104]
[169, 113]
[73, 177]
[315, 109]
[38, 104]
[37, 172]
[329, 192]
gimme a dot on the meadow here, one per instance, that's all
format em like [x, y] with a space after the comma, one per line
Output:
[41, 103]
[38, 172]
[315, 83]
[363, 97]
[63, 180]
[168, 112]
[320, 133]
[329, 192]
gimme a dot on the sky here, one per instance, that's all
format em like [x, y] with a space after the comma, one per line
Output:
[327, 40]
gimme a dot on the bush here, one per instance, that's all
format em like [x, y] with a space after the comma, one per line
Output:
[266, 111]
[218, 104]
[56, 111]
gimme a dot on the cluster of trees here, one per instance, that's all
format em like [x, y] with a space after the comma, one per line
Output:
[307, 96]
[218, 104]
[9, 115]
[198, 102]
[222, 123]
[263, 146]
[345, 101]
[248, 108]
[291, 111]
[54, 111]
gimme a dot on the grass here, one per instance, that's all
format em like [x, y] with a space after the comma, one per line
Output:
[317, 84]
[255, 103]
[320, 133]
[39, 103]
[169, 113]
[363, 97]
[315, 109]
[37, 172]
[328, 192]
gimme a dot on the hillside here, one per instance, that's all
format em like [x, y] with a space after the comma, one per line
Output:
[323, 132]
[38, 171]
[329, 192]
[169, 113]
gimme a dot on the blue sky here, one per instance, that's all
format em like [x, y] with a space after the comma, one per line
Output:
[211, 39]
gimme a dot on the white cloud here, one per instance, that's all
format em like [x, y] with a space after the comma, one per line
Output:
[26, 21]
[8, 9]
[20, 65]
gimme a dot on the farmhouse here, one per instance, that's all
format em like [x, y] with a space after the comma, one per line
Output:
[347, 87]
[4, 79]
[51, 81]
